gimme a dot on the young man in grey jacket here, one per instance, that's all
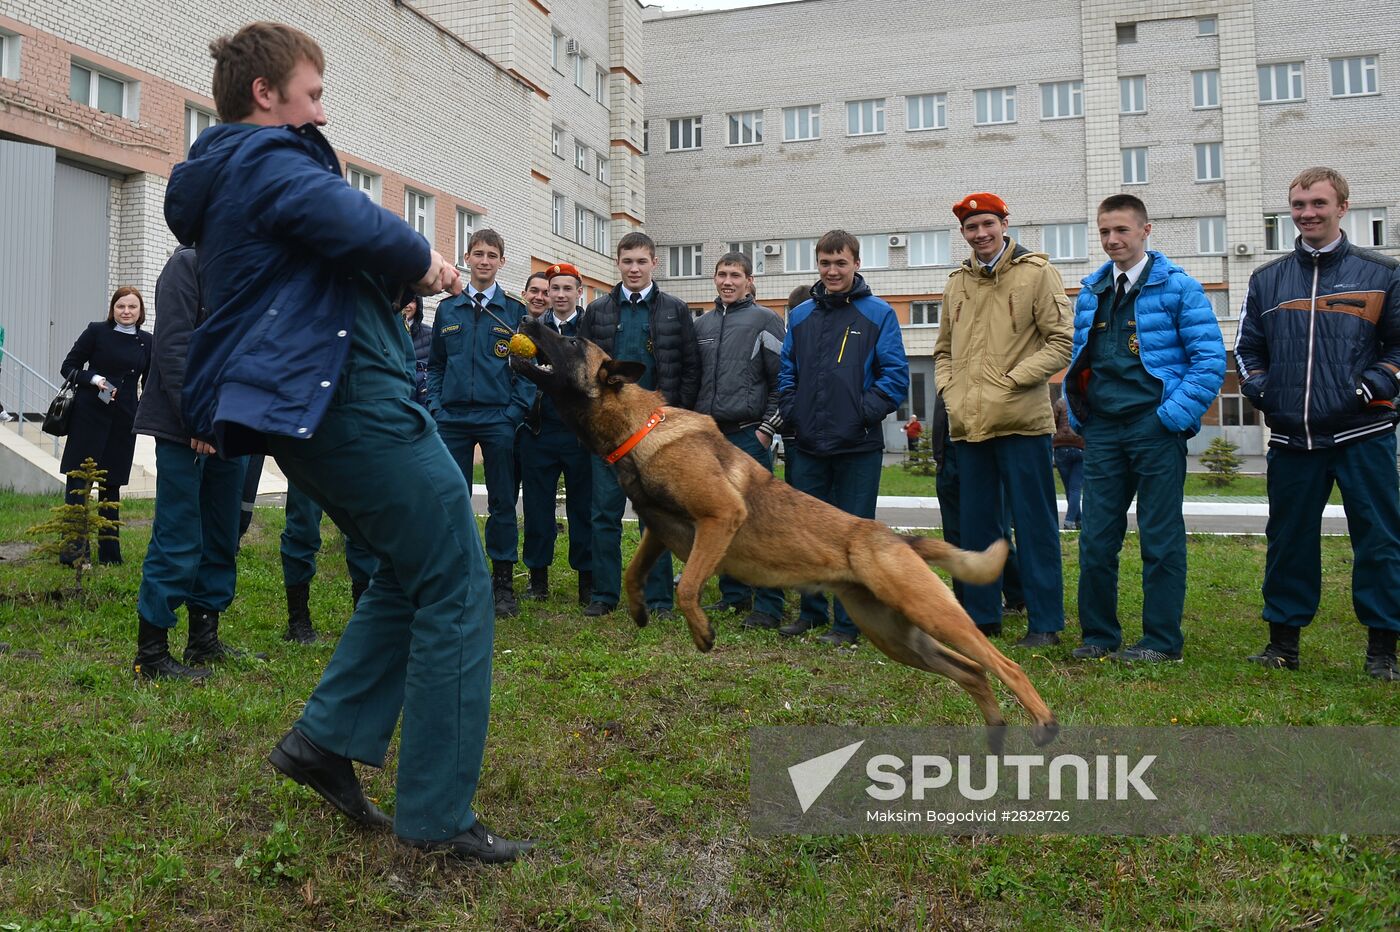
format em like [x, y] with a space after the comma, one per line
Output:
[741, 346]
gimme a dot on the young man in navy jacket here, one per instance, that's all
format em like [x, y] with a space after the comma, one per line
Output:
[304, 355]
[843, 372]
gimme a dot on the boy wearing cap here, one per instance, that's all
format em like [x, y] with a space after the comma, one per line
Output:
[477, 399]
[549, 449]
[637, 322]
[1148, 361]
[1006, 330]
[843, 372]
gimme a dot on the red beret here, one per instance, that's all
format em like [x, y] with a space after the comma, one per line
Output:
[983, 202]
[562, 268]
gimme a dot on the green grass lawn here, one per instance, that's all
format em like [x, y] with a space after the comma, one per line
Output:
[625, 751]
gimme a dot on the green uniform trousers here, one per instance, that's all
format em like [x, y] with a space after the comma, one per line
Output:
[420, 641]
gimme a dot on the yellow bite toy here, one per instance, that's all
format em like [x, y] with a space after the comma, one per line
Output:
[521, 345]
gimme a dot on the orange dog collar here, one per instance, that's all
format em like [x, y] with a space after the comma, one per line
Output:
[657, 417]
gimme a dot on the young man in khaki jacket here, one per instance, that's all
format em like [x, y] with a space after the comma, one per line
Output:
[1006, 329]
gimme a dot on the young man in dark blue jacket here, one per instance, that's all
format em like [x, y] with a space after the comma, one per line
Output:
[478, 399]
[548, 449]
[637, 322]
[304, 356]
[1318, 353]
[1147, 362]
[741, 346]
[843, 372]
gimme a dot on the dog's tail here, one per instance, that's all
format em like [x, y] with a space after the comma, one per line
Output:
[967, 565]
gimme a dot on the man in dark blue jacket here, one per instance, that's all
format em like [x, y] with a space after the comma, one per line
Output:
[478, 399]
[843, 372]
[304, 355]
[1318, 353]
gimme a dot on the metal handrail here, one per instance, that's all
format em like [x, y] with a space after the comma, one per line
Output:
[28, 402]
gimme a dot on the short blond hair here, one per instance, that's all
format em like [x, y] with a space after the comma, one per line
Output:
[1311, 176]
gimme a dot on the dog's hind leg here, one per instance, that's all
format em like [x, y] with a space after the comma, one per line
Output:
[648, 551]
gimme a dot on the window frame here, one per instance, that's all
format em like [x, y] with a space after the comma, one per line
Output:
[1125, 83]
[463, 230]
[1203, 238]
[1074, 90]
[914, 103]
[675, 133]
[600, 87]
[130, 108]
[192, 114]
[580, 156]
[1050, 235]
[737, 122]
[557, 54]
[1374, 71]
[1008, 105]
[1295, 70]
[556, 208]
[579, 59]
[683, 255]
[1273, 227]
[1246, 415]
[1134, 152]
[556, 140]
[796, 250]
[369, 183]
[1207, 26]
[1214, 153]
[856, 111]
[429, 221]
[937, 313]
[1205, 79]
[11, 50]
[751, 248]
[1376, 220]
[874, 250]
[813, 114]
[917, 250]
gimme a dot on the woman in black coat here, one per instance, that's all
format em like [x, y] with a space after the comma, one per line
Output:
[108, 362]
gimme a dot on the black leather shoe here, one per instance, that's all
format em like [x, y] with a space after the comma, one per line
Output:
[538, 590]
[838, 639]
[477, 843]
[717, 608]
[1275, 657]
[329, 774]
[1039, 639]
[1139, 654]
[1090, 652]
[1382, 667]
[760, 620]
[597, 609]
[585, 587]
[801, 626]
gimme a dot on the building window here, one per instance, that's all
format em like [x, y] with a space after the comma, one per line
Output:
[1219, 303]
[1354, 77]
[557, 216]
[800, 255]
[1135, 165]
[926, 111]
[602, 169]
[928, 247]
[995, 105]
[197, 120]
[865, 117]
[801, 123]
[366, 182]
[556, 141]
[1205, 89]
[750, 248]
[1062, 100]
[580, 62]
[685, 261]
[556, 52]
[466, 226]
[102, 91]
[602, 234]
[9, 55]
[418, 211]
[646, 136]
[1210, 236]
[746, 128]
[1235, 411]
[685, 134]
[1127, 33]
[924, 313]
[874, 250]
[600, 87]
[1280, 82]
[1132, 94]
[1207, 26]
[580, 156]
[583, 226]
[1365, 226]
[1279, 232]
[1067, 241]
[1208, 161]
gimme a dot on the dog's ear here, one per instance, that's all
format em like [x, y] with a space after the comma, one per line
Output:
[617, 371]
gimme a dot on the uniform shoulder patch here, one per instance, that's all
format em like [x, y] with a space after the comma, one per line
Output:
[451, 328]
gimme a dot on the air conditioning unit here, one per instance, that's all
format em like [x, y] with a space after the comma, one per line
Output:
[571, 47]
[899, 240]
[1244, 249]
[772, 249]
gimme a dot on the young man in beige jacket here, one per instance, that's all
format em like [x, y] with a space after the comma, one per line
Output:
[1006, 329]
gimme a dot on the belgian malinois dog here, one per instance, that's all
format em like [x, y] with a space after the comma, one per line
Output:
[717, 509]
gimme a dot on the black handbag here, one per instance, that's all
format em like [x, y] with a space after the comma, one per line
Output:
[60, 414]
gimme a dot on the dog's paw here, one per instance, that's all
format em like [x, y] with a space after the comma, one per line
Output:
[996, 739]
[1044, 734]
[704, 637]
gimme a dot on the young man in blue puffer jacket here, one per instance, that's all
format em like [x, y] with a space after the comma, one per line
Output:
[1147, 362]
[1319, 352]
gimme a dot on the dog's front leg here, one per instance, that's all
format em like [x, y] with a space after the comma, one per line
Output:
[712, 538]
[634, 580]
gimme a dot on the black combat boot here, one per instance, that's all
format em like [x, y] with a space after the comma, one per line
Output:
[357, 589]
[539, 584]
[299, 615]
[1281, 653]
[503, 588]
[585, 587]
[1380, 655]
[153, 660]
[204, 646]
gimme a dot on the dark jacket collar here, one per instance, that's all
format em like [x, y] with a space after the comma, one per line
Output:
[829, 301]
[741, 304]
[1306, 253]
